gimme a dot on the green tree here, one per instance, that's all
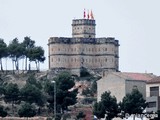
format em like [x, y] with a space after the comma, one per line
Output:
[64, 95]
[36, 54]
[16, 52]
[32, 80]
[28, 44]
[3, 51]
[27, 110]
[3, 113]
[108, 105]
[31, 94]
[12, 94]
[135, 101]
[99, 110]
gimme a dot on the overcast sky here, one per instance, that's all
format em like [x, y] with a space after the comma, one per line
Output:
[135, 23]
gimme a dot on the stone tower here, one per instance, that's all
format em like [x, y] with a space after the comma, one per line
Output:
[84, 28]
[83, 50]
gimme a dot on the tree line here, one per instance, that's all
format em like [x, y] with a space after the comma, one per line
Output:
[131, 105]
[26, 51]
[37, 95]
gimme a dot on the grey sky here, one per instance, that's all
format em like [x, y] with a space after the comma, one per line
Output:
[135, 23]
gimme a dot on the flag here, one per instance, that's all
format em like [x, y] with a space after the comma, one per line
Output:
[92, 17]
[84, 14]
[88, 14]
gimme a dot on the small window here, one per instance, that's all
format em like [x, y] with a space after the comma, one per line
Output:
[58, 59]
[106, 59]
[105, 49]
[154, 91]
[151, 104]
[58, 49]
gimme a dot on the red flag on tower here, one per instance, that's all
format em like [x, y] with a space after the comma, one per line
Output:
[92, 17]
[84, 14]
[88, 14]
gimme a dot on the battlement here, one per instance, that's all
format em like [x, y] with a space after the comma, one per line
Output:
[83, 22]
[65, 40]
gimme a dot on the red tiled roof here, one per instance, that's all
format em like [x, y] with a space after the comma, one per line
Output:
[136, 76]
[154, 80]
[139, 76]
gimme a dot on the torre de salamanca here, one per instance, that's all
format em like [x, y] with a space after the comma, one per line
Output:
[83, 49]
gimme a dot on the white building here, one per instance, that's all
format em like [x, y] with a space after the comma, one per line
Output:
[121, 83]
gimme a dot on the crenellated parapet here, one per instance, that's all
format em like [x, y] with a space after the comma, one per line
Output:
[65, 40]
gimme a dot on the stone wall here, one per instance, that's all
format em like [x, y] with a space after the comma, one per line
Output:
[18, 118]
[112, 83]
[89, 53]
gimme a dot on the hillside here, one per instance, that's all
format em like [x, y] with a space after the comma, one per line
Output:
[84, 84]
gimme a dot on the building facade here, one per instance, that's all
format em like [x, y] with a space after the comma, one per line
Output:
[153, 95]
[83, 49]
[121, 83]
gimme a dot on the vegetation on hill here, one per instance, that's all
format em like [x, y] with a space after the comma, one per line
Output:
[38, 96]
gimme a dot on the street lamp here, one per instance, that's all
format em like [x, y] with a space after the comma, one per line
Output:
[54, 82]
